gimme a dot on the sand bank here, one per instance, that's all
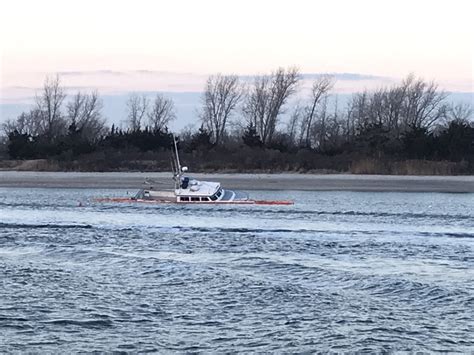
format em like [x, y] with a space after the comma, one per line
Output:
[309, 182]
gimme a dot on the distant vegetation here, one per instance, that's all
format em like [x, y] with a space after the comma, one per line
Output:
[409, 128]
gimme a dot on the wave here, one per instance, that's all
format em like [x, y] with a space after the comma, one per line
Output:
[448, 234]
[242, 230]
[350, 213]
[44, 226]
[324, 231]
[88, 323]
[12, 319]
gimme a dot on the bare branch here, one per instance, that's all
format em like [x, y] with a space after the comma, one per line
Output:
[267, 98]
[84, 112]
[137, 107]
[162, 113]
[49, 103]
[221, 96]
[320, 89]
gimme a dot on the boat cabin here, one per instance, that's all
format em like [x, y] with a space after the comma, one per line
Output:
[191, 190]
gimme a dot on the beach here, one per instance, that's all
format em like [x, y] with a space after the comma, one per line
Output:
[286, 181]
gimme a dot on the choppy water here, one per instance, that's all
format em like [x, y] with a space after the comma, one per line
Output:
[337, 271]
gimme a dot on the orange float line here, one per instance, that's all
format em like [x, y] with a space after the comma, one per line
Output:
[248, 202]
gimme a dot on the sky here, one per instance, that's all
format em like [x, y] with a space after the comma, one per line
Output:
[122, 46]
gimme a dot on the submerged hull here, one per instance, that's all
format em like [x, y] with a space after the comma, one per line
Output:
[165, 201]
[228, 197]
[224, 196]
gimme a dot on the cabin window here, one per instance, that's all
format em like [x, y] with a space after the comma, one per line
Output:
[184, 199]
[205, 199]
[213, 197]
[195, 199]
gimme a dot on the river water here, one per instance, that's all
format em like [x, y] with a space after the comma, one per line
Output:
[341, 271]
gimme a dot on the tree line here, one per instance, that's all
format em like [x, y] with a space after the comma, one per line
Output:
[410, 120]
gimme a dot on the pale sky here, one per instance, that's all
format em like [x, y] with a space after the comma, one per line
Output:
[100, 43]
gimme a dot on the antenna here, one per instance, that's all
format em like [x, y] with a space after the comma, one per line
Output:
[177, 155]
[177, 164]
[173, 168]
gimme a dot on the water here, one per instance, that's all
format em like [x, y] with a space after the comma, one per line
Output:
[337, 271]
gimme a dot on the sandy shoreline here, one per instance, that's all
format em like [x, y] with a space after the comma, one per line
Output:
[308, 182]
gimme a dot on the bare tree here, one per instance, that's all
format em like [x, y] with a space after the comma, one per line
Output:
[11, 125]
[266, 100]
[292, 125]
[221, 96]
[319, 90]
[162, 113]
[462, 112]
[318, 132]
[423, 103]
[187, 132]
[393, 99]
[49, 103]
[413, 104]
[84, 112]
[75, 107]
[136, 107]
[26, 123]
[46, 119]
[323, 118]
[329, 128]
[335, 129]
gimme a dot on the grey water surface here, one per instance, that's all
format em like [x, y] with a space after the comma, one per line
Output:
[340, 271]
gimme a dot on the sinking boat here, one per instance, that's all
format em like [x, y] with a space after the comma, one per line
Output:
[188, 190]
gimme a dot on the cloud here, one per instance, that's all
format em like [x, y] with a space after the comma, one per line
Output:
[345, 76]
[338, 76]
[90, 72]
[123, 72]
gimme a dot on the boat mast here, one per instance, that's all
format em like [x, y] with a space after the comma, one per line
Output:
[177, 155]
[176, 165]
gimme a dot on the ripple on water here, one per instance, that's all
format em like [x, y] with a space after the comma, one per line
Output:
[337, 272]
